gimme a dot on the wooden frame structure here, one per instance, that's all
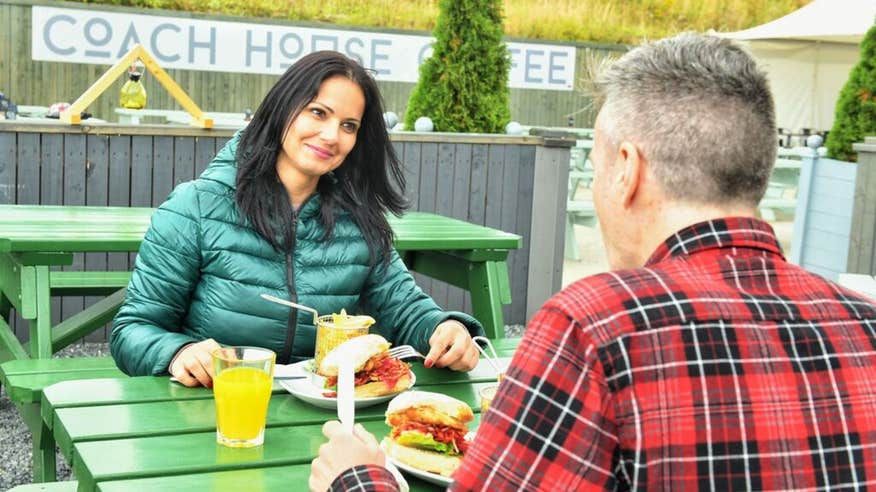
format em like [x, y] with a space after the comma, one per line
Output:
[138, 52]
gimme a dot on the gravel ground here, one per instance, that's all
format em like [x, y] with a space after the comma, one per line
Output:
[15, 447]
[15, 443]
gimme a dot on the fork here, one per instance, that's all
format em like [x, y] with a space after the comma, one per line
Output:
[405, 352]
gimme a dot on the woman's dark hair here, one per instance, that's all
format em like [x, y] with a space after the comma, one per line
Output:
[368, 184]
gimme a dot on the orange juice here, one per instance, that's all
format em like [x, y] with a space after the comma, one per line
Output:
[242, 395]
[487, 394]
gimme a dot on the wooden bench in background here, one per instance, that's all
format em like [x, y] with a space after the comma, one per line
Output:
[70, 486]
[780, 200]
[25, 380]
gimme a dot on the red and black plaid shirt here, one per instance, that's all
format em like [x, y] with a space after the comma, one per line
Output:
[717, 366]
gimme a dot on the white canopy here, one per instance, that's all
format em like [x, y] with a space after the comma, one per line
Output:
[808, 55]
[838, 21]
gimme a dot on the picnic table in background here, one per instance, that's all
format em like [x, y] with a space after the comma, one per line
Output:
[579, 209]
[146, 433]
[779, 201]
[37, 114]
[132, 117]
[35, 239]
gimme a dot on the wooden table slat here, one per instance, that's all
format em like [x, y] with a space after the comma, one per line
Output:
[138, 420]
[145, 389]
[173, 454]
[29, 227]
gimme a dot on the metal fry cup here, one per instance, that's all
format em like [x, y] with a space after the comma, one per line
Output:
[333, 329]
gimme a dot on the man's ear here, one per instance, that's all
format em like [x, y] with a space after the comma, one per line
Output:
[631, 168]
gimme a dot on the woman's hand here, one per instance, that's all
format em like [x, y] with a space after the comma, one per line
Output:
[193, 364]
[451, 346]
[342, 452]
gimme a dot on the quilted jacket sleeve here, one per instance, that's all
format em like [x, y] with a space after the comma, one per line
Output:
[147, 330]
[404, 313]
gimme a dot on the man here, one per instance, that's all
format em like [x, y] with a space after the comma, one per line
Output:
[703, 360]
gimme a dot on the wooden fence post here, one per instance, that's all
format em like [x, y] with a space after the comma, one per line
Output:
[547, 232]
[862, 244]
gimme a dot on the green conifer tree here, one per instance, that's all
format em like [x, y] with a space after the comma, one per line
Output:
[856, 107]
[463, 86]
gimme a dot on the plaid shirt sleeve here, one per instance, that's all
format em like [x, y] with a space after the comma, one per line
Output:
[365, 478]
[550, 425]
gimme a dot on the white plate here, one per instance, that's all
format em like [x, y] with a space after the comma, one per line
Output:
[422, 475]
[311, 389]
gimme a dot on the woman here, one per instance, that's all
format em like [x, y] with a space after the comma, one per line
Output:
[293, 206]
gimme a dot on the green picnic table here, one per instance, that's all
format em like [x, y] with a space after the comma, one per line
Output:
[36, 238]
[146, 433]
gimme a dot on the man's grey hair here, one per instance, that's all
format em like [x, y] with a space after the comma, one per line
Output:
[701, 113]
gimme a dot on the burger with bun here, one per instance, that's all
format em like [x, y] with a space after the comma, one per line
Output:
[428, 431]
[376, 372]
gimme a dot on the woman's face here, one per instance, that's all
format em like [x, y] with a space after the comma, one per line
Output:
[320, 137]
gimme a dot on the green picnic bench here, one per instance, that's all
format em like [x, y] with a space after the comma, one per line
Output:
[36, 239]
[24, 381]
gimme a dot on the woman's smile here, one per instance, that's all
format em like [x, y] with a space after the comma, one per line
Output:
[320, 152]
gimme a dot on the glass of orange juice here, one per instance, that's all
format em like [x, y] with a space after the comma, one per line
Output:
[242, 381]
[334, 329]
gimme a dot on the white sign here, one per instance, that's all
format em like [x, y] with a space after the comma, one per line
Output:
[95, 37]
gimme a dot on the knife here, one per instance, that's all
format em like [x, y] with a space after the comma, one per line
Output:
[346, 404]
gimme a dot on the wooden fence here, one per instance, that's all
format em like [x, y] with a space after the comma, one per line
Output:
[38, 83]
[862, 241]
[508, 183]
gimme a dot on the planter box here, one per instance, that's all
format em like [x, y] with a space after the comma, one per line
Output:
[822, 220]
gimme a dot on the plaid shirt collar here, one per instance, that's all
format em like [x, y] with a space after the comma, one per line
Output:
[735, 232]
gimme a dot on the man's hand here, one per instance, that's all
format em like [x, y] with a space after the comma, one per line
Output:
[451, 346]
[342, 452]
[193, 364]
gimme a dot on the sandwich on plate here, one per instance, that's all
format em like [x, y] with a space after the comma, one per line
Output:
[376, 372]
[428, 431]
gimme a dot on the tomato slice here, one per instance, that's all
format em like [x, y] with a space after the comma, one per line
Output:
[384, 368]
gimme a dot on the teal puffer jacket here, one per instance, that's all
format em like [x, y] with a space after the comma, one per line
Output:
[199, 274]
